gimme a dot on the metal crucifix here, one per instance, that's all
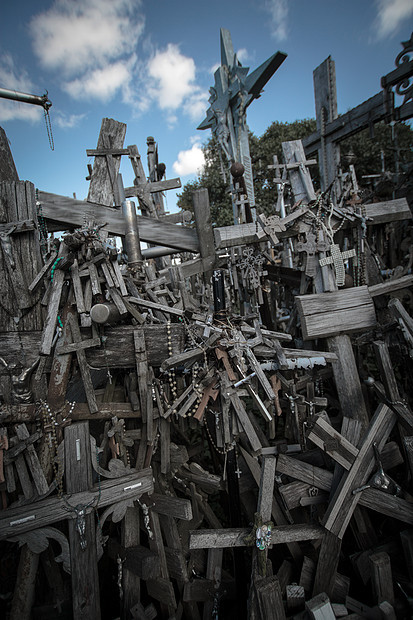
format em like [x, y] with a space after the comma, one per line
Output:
[231, 94]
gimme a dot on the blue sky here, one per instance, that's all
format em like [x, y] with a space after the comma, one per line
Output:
[149, 64]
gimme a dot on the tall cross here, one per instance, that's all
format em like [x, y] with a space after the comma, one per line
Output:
[233, 91]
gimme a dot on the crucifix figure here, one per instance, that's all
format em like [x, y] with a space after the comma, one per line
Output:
[231, 94]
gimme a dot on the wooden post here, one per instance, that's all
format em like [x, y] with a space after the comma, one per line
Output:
[326, 111]
[84, 571]
[103, 188]
[381, 577]
[203, 225]
[8, 170]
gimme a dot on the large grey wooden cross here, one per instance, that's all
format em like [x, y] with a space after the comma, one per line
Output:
[231, 94]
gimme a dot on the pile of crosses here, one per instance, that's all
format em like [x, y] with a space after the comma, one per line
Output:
[219, 434]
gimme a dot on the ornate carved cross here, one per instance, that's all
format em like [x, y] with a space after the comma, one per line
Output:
[310, 247]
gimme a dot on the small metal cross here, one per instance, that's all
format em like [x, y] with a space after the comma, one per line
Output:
[337, 258]
[310, 247]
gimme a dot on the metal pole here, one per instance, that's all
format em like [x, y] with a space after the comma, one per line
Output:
[26, 98]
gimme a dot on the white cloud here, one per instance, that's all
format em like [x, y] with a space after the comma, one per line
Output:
[189, 162]
[12, 78]
[390, 15]
[91, 45]
[67, 121]
[243, 55]
[278, 10]
[74, 35]
[101, 84]
[174, 75]
[173, 82]
[196, 104]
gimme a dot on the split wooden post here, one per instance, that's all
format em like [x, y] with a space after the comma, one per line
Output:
[84, 569]
[103, 188]
[381, 577]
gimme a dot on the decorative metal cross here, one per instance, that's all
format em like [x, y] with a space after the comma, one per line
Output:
[337, 259]
[310, 247]
[231, 94]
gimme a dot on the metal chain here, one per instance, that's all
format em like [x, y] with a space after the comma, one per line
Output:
[48, 123]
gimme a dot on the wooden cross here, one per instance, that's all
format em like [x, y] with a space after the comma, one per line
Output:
[337, 259]
[16, 522]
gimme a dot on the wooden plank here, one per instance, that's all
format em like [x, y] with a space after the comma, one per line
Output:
[319, 608]
[347, 380]
[83, 561]
[203, 223]
[234, 537]
[20, 519]
[52, 313]
[105, 168]
[335, 312]
[83, 367]
[385, 288]
[8, 170]
[381, 577]
[62, 213]
[362, 116]
[33, 461]
[300, 178]
[153, 187]
[241, 234]
[344, 501]
[269, 598]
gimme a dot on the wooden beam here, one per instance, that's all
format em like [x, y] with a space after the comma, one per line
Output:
[64, 213]
[362, 116]
[234, 537]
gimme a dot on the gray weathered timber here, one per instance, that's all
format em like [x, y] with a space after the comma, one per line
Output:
[64, 213]
[81, 411]
[362, 116]
[83, 366]
[119, 346]
[344, 501]
[269, 597]
[84, 569]
[300, 179]
[387, 211]
[336, 312]
[381, 577]
[324, 77]
[22, 519]
[204, 230]
[347, 379]
[232, 236]
[234, 537]
[385, 288]
[103, 183]
[8, 170]
[156, 186]
[276, 511]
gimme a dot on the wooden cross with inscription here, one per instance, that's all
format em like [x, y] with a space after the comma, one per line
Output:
[77, 507]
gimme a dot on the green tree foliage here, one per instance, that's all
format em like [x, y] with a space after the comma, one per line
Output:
[216, 179]
[384, 149]
[366, 152]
